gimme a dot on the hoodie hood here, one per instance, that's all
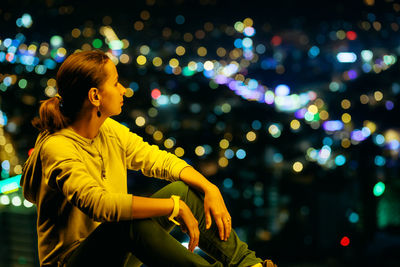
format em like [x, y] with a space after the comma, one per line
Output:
[32, 170]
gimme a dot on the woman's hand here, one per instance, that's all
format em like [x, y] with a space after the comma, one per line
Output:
[189, 225]
[214, 204]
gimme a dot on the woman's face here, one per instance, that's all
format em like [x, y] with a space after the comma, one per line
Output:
[111, 92]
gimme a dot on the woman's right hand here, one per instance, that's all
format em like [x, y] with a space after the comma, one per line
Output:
[189, 225]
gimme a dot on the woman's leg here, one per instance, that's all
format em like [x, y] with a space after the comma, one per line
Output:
[232, 252]
[149, 240]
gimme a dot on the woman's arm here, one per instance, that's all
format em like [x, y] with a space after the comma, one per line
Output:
[196, 180]
[213, 202]
[145, 207]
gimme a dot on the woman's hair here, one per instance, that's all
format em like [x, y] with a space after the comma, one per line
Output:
[76, 75]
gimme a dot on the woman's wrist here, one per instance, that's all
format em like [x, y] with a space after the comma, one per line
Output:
[210, 187]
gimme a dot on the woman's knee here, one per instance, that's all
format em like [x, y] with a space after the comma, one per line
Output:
[179, 188]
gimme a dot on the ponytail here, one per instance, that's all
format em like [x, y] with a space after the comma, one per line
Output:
[50, 116]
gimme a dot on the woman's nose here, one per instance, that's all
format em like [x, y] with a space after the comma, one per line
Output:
[123, 90]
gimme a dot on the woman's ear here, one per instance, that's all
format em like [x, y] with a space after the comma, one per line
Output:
[94, 96]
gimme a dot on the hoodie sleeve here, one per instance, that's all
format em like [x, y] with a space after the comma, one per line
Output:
[65, 171]
[151, 160]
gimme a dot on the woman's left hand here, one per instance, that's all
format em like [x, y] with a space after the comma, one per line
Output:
[214, 205]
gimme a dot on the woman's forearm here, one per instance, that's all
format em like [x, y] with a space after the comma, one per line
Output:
[196, 180]
[146, 207]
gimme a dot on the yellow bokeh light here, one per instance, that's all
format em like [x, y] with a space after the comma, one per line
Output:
[239, 77]
[341, 34]
[18, 169]
[224, 144]
[157, 135]
[166, 32]
[324, 115]
[199, 150]
[32, 48]
[179, 151]
[125, 43]
[138, 25]
[228, 136]
[221, 52]
[364, 99]
[226, 108]
[200, 34]
[144, 15]
[295, 124]
[346, 117]
[51, 82]
[378, 95]
[177, 70]
[298, 166]
[345, 143]
[251, 136]
[180, 50]
[370, 125]
[313, 109]
[86, 47]
[152, 112]
[208, 26]
[239, 26]
[202, 51]
[44, 48]
[129, 92]
[141, 60]
[223, 162]
[391, 135]
[248, 22]
[345, 104]
[140, 121]
[144, 49]
[173, 62]
[188, 37]
[235, 53]
[8, 148]
[124, 58]
[377, 25]
[157, 61]
[319, 103]
[192, 66]
[76, 33]
[169, 143]
[150, 129]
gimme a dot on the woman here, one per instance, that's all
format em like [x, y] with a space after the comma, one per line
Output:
[77, 178]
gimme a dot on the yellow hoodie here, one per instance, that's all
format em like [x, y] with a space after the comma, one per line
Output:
[77, 183]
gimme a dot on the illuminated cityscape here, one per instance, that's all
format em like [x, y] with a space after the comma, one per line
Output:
[290, 108]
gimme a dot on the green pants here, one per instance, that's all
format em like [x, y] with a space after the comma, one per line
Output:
[150, 241]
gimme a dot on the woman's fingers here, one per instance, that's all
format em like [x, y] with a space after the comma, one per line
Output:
[227, 227]
[221, 228]
[190, 224]
[208, 218]
[194, 235]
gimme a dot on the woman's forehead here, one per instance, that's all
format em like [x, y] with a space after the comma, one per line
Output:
[111, 70]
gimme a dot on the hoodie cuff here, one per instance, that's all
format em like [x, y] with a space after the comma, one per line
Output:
[126, 207]
[176, 171]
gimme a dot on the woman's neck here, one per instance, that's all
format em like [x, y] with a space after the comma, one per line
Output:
[88, 125]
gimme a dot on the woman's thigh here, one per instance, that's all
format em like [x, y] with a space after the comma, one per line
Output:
[105, 246]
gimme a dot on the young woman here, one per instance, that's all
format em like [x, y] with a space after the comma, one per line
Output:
[77, 177]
